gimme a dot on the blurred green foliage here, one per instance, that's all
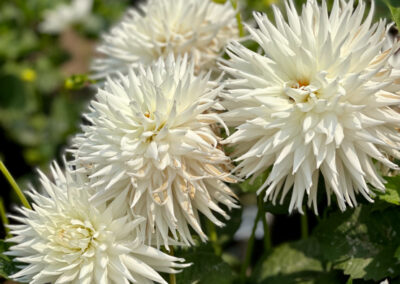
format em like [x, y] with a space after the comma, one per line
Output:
[36, 111]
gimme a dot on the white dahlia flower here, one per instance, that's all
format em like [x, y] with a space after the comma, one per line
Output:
[67, 240]
[64, 15]
[151, 135]
[198, 27]
[318, 100]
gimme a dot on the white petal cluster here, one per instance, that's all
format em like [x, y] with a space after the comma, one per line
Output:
[151, 134]
[64, 15]
[318, 100]
[198, 27]
[67, 240]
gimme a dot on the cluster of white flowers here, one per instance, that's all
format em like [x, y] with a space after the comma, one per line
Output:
[317, 101]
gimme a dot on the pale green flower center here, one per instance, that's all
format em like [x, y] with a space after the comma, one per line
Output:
[74, 237]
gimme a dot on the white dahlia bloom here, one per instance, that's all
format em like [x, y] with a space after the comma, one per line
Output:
[151, 135]
[198, 27]
[318, 100]
[67, 240]
[64, 15]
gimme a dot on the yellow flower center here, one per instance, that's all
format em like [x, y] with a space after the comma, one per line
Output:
[301, 91]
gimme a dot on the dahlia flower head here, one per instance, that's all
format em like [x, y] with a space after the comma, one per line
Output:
[151, 135]
[65, 239]
[64, 15]
[317, 101]
[198, 27]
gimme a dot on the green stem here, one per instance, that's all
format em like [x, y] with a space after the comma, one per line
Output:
[249, 249]
[213, 236]
[14, 185]
[172, 276]
[304, 224]
[238, 18]
[4, 218]
[267, 232]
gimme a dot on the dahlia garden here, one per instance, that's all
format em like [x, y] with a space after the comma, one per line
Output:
[200, 141]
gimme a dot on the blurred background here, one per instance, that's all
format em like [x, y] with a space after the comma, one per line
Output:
[41, 101]
[39, 108]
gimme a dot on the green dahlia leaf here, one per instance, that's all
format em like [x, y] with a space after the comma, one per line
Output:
[7, 266]
[298, 262]
[250, 185]
[206, 267]
[392, 194]
[362, 242]
[395, 11]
